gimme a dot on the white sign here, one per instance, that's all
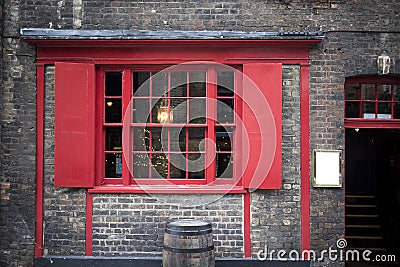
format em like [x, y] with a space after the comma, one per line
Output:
[327, 168]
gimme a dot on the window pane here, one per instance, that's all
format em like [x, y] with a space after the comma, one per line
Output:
[396, 92]
[114, 84]
[160, 84]
[177, 166]
[141, 110]
[225, 81]
[196, 135]
[113, 110]
[196, 166]
[384, 110]
[352, 109]
[177, 139]
[140, 166]
[368, 110]
[224, 165]
[225, 110]
[159, 113]
[197, 86]
[113, 165]
[114, 138]
[178, 84]
[141, 139]
[224, 138]
[384, 92]
[141, 83]
[179, 110]
[397, 110]
[159, 139]
[197, 111]
[368, 91]
[352, 91]
[160, 165]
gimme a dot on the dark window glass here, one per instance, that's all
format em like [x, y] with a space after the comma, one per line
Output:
[113, 110]
[113, 138]
[352, 91]
[352, 109]
[178, 84]
[225, 112]
[224, 165]
[225, 81]
[141, 83]
[114, 84]
[113, 165]
[224, 138]
[197, 84]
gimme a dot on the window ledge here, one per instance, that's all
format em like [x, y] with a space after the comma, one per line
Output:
[178, 189]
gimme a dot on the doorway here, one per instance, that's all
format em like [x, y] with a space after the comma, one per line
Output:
[372, 177]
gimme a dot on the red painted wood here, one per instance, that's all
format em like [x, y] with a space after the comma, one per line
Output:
[74, 161]
[247, 225]
[262, 117]
[305, 157]
[173, 51]
[39, 160]
[89, 224]
[99, 118]
[167, 189]
[126, 98]
[372, 123]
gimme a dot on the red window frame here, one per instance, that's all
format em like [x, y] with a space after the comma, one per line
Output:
[374, 100]
[210, 125]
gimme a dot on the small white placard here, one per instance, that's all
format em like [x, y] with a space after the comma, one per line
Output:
[384, 116]
[327, 168]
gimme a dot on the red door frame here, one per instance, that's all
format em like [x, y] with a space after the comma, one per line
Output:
[125, 52]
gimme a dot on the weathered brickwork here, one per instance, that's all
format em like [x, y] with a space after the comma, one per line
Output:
[133, 225]
[356, 33]
[64, 209]
[276, 213]
[272, 15]
[17, 179]
[341, 55]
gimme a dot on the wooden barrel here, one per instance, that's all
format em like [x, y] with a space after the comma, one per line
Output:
[188, 243]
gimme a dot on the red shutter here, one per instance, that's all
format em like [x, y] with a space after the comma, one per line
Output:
[262, 119]
[74, 163]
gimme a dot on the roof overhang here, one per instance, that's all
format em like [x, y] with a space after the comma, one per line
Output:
[51, 34]
[169, 47]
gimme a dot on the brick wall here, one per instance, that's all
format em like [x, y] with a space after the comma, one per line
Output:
[17, 179]
[276, 213]
[272, 15]
[64, 208]
[341, 54]
[133, 225]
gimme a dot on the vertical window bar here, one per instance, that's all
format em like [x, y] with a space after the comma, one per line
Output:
[150, 152]
[168, 154]
[126, 96]
[392, 100]
[376, 102]
[187, 153]
[360, 114]
[211, 116]
[187, 97]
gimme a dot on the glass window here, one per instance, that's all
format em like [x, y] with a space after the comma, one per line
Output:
[376, 98]
[170, 125]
